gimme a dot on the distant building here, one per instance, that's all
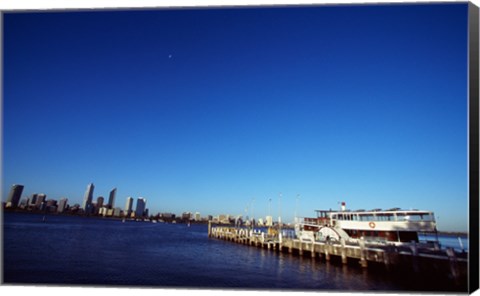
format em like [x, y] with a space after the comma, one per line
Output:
[100, 201]
[167, 216]
[117, 212]
[42, 206]
[129, 206]
[103, 211]
[186, 216]
[23, 203]
[223, 218]
[33, 200]
[111, 198]
[87, 199]
[75, 208]
[14, 195]
[62, 205]
[197, 216]
[41, 197]
[269, 221]
[141, 206]
[51, 205]
[260, 222]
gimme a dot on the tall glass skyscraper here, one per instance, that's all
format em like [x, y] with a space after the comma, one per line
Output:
[111, 198]
[140, 209]
[129, 206]
[87, 200]
[14, 195]
[62, 205]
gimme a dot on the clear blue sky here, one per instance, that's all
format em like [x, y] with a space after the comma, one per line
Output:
[211, 110]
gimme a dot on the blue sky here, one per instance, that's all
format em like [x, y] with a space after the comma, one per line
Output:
[213, 110]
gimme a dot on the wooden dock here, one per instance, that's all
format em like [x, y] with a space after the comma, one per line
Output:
[413, 259]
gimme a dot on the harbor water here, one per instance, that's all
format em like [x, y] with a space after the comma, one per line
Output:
[91, 252]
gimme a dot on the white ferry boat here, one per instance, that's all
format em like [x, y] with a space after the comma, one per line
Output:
[393, 226]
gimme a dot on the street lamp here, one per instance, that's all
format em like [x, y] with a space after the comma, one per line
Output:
[280, 211]
[296, 207]
[253, 215]
[269, 205]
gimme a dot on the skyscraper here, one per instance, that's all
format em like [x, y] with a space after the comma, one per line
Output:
[87, 200]
[140, 209]
[33, 200]
[129, 206]
[111, 198]
[41, 198]
[14, 195]
[62, 205]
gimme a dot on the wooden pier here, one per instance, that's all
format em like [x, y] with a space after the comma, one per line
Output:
[412, 259]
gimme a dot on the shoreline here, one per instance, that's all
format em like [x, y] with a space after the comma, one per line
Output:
[179, 220]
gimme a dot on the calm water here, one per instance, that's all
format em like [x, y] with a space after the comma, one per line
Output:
[103, 252]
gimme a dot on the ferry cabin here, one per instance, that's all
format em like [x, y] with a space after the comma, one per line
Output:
[391, 225]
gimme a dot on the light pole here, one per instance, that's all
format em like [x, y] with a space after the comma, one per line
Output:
[253, 215]
[269, 203]
[280, 211]
[296, 207]
[269, 218]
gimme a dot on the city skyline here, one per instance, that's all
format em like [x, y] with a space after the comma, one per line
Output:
[281, 110]
[37, 200]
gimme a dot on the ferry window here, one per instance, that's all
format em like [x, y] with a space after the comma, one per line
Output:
[384, 217]
[420, 217]
[428, 217]
[401, 217]
[415, 217]
[365, 217]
